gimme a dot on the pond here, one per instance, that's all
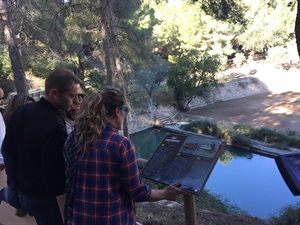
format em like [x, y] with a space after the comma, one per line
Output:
[249, 181]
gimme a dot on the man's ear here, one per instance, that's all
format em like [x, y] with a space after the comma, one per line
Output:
[54, 94]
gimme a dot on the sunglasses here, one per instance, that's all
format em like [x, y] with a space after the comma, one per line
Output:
[79, 96]
[124, 108]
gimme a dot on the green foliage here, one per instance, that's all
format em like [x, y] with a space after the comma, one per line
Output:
[6, 79]
[277, 138]
[202, 127]
[125, 8]
[243, 129]
[189, 72]
[235, 135]
[241, 134]
[81, 27]
[135, 34]
[52, 34]
[95, 80]
[268, 25]
[289, 215]
[238, 139]
[152, 74]
[41, 64]
[39, 30]
[5, 65]
[230, 10]
[148, 78]
[184, 26]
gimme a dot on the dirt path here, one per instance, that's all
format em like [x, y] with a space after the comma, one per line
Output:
[276, 111]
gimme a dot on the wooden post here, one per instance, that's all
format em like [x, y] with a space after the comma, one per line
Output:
[190, 209]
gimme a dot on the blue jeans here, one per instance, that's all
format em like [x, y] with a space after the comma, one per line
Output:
[44, 210]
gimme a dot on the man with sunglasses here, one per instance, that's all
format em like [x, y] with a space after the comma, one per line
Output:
[72, 112]
[33, 144]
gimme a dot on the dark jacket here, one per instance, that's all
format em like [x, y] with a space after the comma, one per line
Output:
[32, 150]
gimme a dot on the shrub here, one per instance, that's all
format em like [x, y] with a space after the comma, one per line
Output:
[240, 140]
[269, 136]
[202, 127]
[241, 134]
[289, 215]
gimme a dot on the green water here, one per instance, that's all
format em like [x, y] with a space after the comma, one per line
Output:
[146, 141]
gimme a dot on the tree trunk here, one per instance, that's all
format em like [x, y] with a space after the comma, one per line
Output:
[105, 41]
[79, 71]
[116, 51]
[14, 53]
[297, 27]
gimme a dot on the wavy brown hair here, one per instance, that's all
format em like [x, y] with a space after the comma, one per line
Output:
[13, 103]
[91, 119]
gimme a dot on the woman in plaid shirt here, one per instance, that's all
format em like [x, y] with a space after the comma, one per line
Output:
[103, 180]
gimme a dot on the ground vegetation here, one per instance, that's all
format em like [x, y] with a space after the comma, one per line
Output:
[242, 135]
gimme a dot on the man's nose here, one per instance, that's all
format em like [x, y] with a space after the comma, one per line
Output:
[76, 99]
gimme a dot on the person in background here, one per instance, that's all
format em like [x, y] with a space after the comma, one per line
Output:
[33, 146]
[2, 126]
[72, 112]
[102, 175]
[13, 103]
[2, 134]
[9, 194]
[2, 97]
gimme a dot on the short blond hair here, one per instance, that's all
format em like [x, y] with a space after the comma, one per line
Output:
[61, 79]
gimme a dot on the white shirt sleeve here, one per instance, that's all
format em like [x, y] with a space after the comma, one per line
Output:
[2, 131]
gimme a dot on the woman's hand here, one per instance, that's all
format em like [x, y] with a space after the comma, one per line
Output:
[172, 192]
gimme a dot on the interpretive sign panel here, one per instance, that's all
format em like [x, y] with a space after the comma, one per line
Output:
[187, 159]
[289, 167]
